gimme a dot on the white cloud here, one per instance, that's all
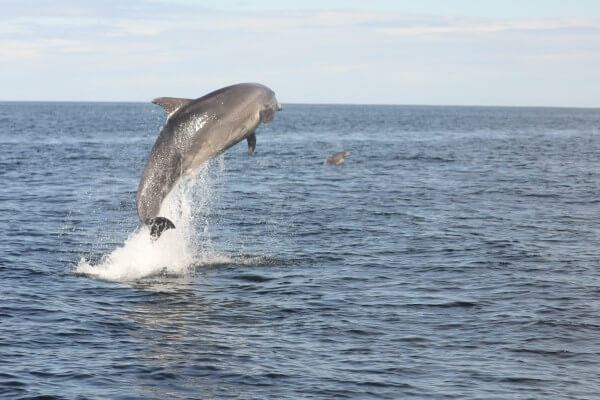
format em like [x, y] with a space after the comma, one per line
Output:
[474, 27]
[136, 28]
[151, 49]
[11, 50]
[341, 68]
[15, 50]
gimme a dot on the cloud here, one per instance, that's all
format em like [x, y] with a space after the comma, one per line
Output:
[341, 68]
[147, 18]
[449, 26]
[11, 50]
[135, 28]
[149, 47]
[15, 50]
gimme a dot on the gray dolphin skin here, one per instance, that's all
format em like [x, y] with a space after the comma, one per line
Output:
[337, 158]
[196, 131]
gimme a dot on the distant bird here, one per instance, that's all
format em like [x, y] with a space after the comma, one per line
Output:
[337, 158]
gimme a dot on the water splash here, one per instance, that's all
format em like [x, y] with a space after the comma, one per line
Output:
[178, 250]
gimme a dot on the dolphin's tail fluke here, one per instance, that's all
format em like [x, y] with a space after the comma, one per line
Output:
[158, 225]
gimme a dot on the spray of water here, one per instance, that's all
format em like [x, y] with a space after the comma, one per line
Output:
[178, 250]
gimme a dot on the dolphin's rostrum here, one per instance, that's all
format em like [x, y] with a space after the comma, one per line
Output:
[196, 131]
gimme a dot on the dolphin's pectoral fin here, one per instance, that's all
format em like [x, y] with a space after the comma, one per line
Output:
[251, 143]
[171, 104]
[267, 115]
[158, 225]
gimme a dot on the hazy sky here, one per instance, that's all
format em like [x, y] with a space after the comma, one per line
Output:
[526, 52]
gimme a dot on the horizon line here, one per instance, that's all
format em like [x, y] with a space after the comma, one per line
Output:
[326, 104]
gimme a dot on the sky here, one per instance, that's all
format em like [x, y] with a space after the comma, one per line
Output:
[430, 52]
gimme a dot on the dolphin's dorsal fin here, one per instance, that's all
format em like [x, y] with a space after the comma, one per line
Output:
[171, 104]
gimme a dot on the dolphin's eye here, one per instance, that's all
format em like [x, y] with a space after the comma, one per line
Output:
[267, 115]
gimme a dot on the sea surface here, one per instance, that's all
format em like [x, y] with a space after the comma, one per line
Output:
[455, 255]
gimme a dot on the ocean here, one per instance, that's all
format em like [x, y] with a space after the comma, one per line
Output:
[455, 255]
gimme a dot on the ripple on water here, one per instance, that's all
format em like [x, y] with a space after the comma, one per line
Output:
[453, 255]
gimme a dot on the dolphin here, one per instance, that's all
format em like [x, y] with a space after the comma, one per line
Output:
[337, 158]
[196, 131]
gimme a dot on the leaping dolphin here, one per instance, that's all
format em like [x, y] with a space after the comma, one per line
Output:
[196, 131]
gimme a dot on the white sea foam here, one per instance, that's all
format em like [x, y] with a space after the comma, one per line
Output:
[178, 250]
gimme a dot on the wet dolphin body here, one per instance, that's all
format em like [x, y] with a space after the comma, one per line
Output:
[337, 158]
[196, 131]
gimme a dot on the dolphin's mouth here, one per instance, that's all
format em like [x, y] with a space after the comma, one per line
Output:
[278, 107]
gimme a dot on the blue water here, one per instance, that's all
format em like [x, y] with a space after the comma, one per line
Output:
[454, 255]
